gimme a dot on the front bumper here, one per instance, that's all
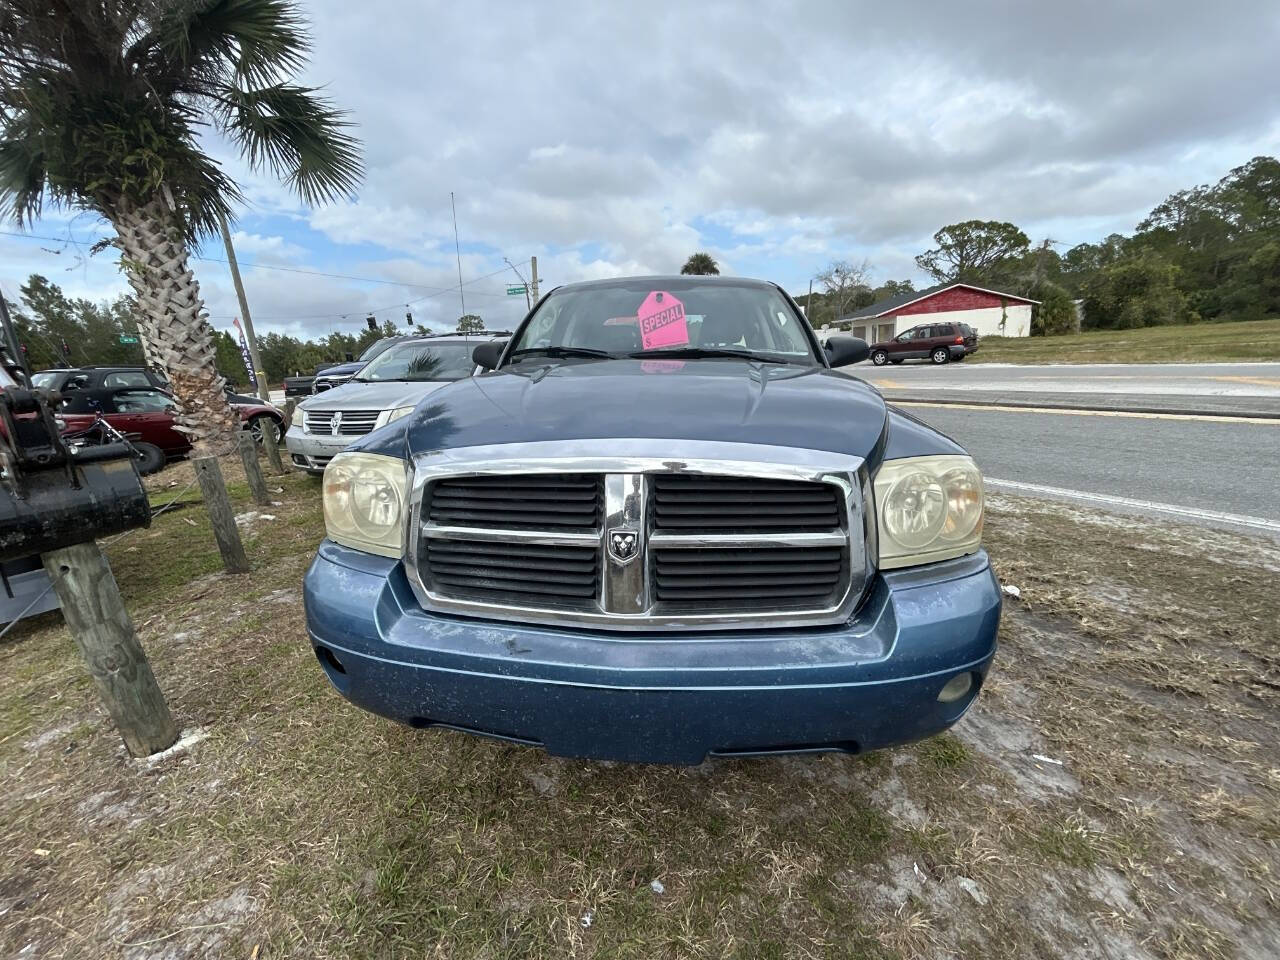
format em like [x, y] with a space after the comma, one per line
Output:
[312, 452]
[663, 697]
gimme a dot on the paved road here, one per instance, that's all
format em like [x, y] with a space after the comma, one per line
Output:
[1241, 389]
[1142, 379]
[1192, 465]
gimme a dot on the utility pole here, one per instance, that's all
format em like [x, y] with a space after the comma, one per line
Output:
[527, 303]
[457, 252]
[258, 374]
[11, 339]
[533, 268]
[808, 304]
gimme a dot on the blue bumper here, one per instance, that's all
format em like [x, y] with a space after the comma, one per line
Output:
[661, 697]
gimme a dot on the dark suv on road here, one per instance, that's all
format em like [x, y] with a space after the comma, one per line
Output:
[937, 342]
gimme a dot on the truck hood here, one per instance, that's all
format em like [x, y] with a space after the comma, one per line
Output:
[714, 400]
[342, 369]
[386, 395]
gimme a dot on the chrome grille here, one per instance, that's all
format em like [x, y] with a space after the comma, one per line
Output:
[339, 423]
[651, 538]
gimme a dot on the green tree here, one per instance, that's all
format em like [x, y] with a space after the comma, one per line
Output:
[1137, 291]
[1055, 313]
[969, 251]
[229, 359]
[700, 264]
[470, 323]
[893, 288]
[101, 107]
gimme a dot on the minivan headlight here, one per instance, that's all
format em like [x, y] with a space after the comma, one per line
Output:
[364, 502]
[927, 509]
[392, 415]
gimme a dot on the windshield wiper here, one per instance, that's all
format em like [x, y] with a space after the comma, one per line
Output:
[560, 353]
[698, 353]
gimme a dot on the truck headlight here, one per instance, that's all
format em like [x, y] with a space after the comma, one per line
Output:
[392, 415]
[927, 509]
[364, 497]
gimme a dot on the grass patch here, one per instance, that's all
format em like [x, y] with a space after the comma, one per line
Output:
[1256, 340]
[304, 827]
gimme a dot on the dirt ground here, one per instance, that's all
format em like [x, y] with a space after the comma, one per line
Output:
[1114, 793]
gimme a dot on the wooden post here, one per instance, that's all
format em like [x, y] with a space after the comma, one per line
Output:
[271, 444]
[220, 513]
[289, 406]
[104, 635]
[253, 469]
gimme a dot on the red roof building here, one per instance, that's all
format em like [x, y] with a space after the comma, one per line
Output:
[990, 312]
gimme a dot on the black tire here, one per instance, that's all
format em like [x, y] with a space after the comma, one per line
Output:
[264, 425]
[151, 459]
[879, 358]
[940, 355]
[895, 361]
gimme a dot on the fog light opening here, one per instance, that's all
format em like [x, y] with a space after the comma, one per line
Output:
[327, 659]
[956, 688]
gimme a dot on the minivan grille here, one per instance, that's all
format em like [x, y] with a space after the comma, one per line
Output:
[515, 502]
[742, 504]
[351, 423]
[533, 573]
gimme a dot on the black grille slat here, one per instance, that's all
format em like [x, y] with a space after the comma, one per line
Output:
[743, 504]
[759, 578]
[524, 502]
[506, 573]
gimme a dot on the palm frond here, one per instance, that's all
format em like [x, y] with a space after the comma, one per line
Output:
[298, 135]
[254, 41]
[22, 174]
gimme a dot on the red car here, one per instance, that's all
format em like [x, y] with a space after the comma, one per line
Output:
[147, 416]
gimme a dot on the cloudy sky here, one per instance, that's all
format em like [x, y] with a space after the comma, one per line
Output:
[777, 136]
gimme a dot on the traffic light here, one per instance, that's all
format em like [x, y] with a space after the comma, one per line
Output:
[373, 324]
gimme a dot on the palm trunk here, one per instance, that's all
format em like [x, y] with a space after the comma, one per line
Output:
[173, 322]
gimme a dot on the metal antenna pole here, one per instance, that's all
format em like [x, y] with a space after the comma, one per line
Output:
[457, 252]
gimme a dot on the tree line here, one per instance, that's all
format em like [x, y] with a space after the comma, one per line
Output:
[55, 330]
[1208, 253]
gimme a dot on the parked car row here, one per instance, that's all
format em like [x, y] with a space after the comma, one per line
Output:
[138, 402]
[384, 389]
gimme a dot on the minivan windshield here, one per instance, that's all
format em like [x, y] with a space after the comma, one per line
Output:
[684, 317]
[420, 360]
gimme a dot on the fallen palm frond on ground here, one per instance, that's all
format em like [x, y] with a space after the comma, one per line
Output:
[1116, 792]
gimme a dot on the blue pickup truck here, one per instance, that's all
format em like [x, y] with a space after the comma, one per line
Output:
[661, 526]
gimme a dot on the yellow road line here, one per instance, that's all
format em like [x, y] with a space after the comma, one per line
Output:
[1259, 381]
[1073, 412]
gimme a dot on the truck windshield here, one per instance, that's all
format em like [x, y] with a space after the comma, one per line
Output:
[420, 361]
[684, 317]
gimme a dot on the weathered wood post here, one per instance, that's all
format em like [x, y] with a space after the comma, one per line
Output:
[271, 443]
[253, 469]
[218, 504]
[289, 406]
[103, 633]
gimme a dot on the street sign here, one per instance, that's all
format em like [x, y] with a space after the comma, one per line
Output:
[515, 291]
[128, 338]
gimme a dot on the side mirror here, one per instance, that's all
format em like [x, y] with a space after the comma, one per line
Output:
[843, 350]
[488, 354]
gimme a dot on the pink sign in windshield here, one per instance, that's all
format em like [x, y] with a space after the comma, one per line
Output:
[662, 321]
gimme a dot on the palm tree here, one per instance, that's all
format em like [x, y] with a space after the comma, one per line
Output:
[701, 264]
[101, 106]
